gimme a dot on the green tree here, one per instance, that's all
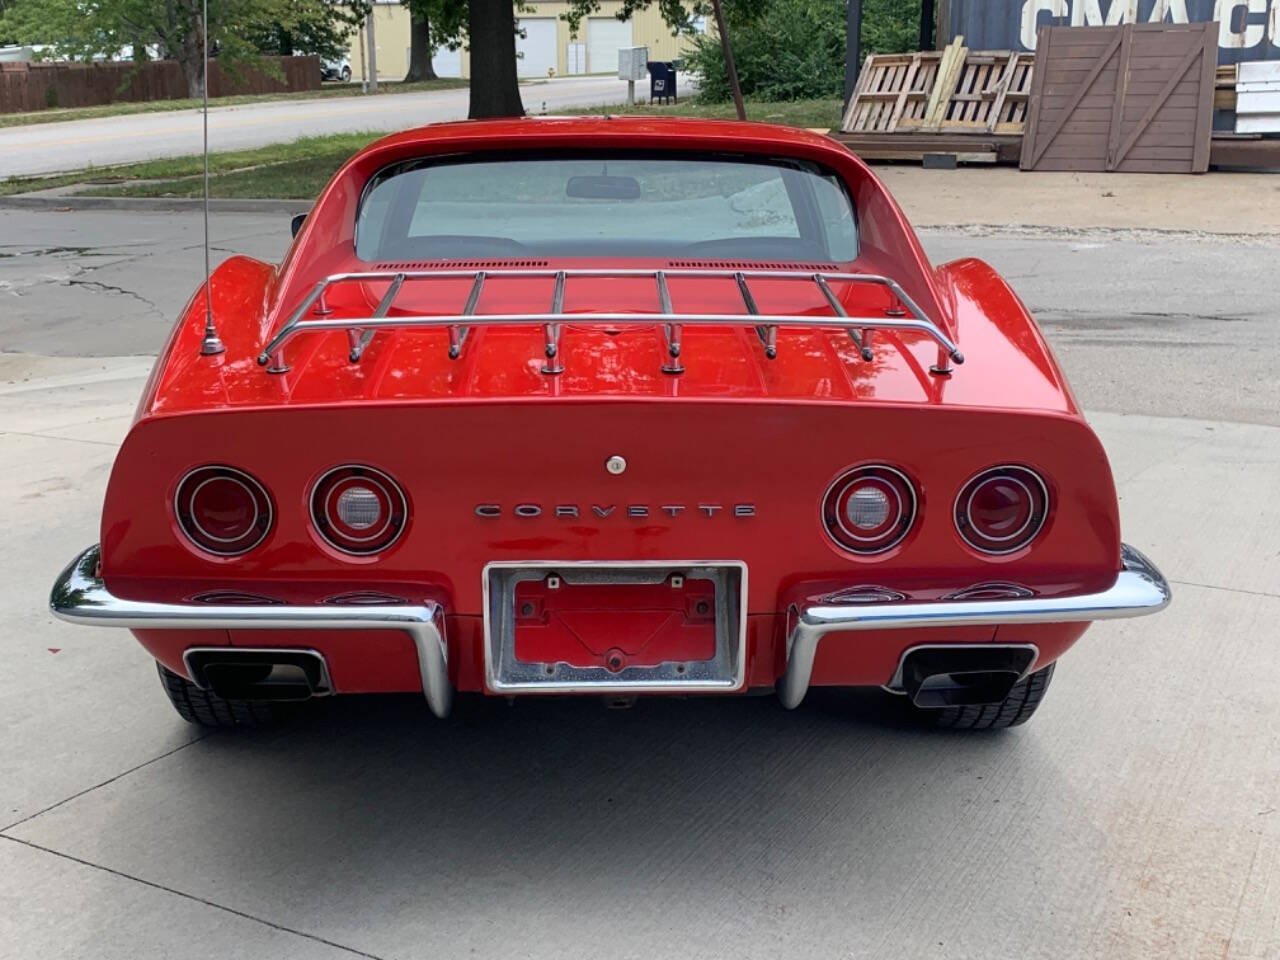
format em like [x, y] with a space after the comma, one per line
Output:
[491, 32]
[795, 49]
[84, 29]
[890, 26]
[322, 28]
[783, 49]
[432, 23]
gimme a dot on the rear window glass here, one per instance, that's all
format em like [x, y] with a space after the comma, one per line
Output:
[669, 205]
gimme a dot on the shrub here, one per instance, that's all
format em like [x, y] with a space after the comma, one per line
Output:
[795, 49]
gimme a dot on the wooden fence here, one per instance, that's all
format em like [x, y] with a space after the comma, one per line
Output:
[41, 86]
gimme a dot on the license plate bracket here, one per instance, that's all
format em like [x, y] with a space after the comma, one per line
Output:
[583, 627]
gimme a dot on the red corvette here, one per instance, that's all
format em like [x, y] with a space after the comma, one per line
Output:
[610, 407]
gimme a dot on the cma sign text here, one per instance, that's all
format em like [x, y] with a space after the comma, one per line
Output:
[1242, 24]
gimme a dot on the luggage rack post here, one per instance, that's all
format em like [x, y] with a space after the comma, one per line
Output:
[359, 344]
[458, 333]
[859, 339]
[768, 335]
[554, 364]
[672, 330]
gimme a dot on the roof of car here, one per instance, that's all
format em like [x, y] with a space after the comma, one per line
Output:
[609, 126]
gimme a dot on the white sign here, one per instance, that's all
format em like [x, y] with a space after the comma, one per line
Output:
[1242, 24]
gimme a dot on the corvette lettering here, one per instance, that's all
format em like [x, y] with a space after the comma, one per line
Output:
[603, 511]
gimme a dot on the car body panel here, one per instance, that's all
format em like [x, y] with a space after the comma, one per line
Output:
[727, 461]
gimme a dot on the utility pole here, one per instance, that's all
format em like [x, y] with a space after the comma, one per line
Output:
[364, 72]
[853, 50]
[373, 53]
[728, 59]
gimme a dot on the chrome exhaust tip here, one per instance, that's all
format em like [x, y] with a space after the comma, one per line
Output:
[258, 673]
[941, 676]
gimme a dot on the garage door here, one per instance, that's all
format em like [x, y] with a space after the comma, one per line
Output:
[538, 46]
[604, 36]
[447, 63]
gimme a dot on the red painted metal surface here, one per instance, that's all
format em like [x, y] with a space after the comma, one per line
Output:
[615, 625]
[490, 430]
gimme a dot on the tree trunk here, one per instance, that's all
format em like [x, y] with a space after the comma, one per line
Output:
[495, 92]
[419, 50]
[190, 57]
[184, 42]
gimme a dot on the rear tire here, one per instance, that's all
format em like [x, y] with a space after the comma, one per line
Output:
[346, 75]
[1015, 709]
[205, 708]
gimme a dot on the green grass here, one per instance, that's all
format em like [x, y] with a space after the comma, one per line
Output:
[315, 157]
[159, 106]
[298, 170]
[824, 114]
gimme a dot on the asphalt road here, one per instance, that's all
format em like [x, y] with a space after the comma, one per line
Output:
[71, 145]
[1137, 816]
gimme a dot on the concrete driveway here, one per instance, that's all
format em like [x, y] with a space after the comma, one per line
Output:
[1137, 816]
[73, 144]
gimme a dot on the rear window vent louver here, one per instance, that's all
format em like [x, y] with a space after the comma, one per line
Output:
[748, 265]
[461, 264]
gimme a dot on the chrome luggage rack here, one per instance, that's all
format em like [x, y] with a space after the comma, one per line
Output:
[902, 313]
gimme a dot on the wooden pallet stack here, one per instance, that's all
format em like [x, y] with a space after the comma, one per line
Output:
[968, 105]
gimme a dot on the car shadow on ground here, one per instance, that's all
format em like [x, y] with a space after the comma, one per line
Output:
[567, 795]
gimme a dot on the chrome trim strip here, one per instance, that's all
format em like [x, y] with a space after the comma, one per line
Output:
[1139, 589]
[660, 680]
[80, 596]
[326, 681]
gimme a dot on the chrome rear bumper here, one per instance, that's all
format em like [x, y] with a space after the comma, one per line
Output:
[1139, 589]
[80, 596]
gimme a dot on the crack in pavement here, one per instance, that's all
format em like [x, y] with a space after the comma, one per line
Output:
[195, 899]
[1132, 234]
[1043, 311]
[1214, 586]
[110, 288]
[45, 436]
[4, 834]
[118, 776]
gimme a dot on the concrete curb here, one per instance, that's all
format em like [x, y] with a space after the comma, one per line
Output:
[75, 202]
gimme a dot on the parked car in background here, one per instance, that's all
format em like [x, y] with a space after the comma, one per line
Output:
[335, 70]
[608, 407]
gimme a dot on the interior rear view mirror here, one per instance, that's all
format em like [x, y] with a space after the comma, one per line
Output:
[603, 188]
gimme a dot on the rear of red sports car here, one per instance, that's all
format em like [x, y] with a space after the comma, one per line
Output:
[607, 407]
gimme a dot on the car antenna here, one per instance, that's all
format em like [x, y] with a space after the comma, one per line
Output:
[211, 345]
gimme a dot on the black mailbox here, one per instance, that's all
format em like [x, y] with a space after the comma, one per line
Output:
[662, 81]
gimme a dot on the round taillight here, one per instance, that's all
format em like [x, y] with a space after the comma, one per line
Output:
[358, 510]
[222, 510]
[1001, 510]
[870, 509]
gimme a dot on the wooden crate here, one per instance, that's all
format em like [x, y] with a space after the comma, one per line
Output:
[1224, 87]
[991, 93]
[1136, 98]
[955, 90]
[892, 88]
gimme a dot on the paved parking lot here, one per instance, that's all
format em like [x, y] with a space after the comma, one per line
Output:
[1137, 816]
